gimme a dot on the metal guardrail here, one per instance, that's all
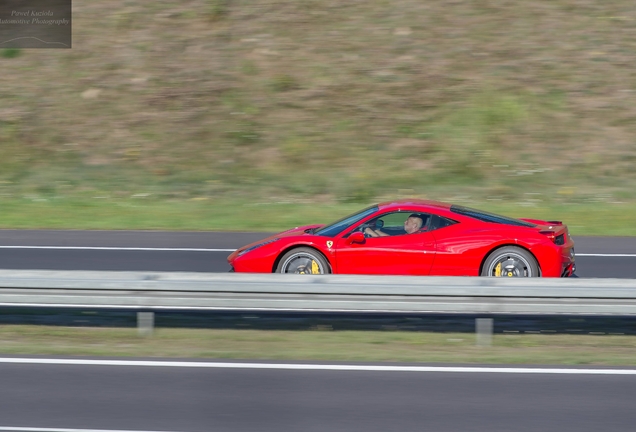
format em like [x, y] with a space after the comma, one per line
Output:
[152, 291]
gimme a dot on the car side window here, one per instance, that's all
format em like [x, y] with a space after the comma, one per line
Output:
[438, 222]
[392, 224]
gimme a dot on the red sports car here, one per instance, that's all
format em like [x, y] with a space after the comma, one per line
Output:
[416, 237]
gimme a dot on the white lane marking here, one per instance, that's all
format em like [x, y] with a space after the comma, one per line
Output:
[118, 248]
[605, 255]
[322, 367]
[218, 250]
[33, 429]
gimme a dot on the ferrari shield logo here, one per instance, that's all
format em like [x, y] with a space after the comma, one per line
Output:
[329, 243]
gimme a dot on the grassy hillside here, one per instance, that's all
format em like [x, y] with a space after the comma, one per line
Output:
[330, 101]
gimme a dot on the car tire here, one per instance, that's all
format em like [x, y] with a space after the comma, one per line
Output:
[512, 261]
[303, 260]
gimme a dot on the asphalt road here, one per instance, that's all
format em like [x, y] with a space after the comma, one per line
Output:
[203, 399]
[207, 251]
[75, 398]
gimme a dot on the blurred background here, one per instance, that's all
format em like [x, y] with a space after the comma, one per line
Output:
[261, 115]
[335, 102]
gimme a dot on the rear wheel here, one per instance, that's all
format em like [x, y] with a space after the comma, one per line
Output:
[303, 260]
[510, 261]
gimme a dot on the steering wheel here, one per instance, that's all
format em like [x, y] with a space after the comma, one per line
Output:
[374, 225]
[362, 228]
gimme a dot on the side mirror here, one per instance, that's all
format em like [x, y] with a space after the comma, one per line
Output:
[356, 237]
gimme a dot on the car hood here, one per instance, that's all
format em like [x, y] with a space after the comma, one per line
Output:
[298, 231]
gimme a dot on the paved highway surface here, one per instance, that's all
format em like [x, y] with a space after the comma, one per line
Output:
[251, 397]
[84, 398]
[207, 251]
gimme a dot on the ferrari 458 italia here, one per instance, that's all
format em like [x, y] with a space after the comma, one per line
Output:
[416, 237]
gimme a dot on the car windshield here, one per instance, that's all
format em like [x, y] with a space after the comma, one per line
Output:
[337, 227]
[489, 217]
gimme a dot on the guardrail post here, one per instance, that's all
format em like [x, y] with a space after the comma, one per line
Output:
[484, 328]
[145, 323]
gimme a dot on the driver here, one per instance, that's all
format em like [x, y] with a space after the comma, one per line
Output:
[412, 224]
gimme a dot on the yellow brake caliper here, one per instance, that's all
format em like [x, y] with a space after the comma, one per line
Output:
[498, 270]
[314, 267]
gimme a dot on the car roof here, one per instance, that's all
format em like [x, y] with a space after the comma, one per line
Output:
[421, 203]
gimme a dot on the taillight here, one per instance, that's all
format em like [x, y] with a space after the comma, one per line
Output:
[556, 239]
[548, 234]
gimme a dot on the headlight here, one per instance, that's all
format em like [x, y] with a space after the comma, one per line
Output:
[251, 248]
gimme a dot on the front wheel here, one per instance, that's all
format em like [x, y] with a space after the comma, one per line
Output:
[303, 260]
[510, 261]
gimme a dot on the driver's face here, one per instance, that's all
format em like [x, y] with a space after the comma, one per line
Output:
[412, 224]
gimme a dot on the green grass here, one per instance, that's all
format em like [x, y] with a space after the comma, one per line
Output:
[323, 101]
[389, 346]
[242, 215]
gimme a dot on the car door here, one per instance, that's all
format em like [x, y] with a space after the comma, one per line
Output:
[395, 254]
